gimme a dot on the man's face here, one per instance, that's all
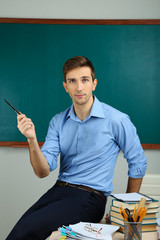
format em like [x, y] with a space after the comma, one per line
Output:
[79, 85]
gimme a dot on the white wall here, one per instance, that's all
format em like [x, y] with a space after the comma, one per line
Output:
[96, 9]
[19, 187]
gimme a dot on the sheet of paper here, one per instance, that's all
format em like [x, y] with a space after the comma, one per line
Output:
[94, 230]
[131, 197]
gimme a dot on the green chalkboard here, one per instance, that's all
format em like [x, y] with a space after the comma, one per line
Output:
[127, 65]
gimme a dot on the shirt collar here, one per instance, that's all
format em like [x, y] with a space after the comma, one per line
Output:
[96, 110]
[71, 113]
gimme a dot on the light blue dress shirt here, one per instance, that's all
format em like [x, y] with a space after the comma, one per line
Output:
[89, 148]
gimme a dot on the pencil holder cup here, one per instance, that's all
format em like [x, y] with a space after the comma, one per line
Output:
[132, 230]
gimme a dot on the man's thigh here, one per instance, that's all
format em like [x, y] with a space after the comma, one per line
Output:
[68, 206]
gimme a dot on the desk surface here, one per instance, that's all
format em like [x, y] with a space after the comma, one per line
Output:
[145, 236]
[117, 236]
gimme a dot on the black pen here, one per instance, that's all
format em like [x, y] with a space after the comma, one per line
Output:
[12, 107]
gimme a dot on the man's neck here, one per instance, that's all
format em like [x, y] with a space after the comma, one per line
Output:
[83, 111]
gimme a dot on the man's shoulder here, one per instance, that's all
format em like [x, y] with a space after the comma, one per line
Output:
[113, 112]
[116, 118]
[60, 117]
[62, 114]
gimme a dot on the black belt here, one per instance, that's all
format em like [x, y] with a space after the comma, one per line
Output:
[82, 187]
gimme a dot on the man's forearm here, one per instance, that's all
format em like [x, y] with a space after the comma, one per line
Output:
[134, 184]
[38, 160]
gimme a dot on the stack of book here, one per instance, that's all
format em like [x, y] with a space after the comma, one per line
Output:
[149, 222]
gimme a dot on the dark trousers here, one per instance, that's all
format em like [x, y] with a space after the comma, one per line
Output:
[59, 206]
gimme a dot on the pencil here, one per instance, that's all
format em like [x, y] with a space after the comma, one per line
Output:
[12, 107]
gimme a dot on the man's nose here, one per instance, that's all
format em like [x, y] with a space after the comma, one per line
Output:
[79, 86]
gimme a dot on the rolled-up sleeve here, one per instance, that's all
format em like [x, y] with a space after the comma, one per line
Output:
[51, 148]
[129, 143]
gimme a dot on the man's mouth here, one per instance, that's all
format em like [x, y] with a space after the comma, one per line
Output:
[80, 95]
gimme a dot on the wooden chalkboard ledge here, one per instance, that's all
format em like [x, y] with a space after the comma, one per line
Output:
[150, 146]
[17, 144]
[25, 144]
[82, 21]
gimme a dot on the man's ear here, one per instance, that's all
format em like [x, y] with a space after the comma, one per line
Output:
[65, 86]
[94, 84]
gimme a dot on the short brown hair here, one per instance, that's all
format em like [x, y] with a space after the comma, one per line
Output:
[75, 62]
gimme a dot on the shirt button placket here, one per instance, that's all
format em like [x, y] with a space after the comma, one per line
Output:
[80, 138]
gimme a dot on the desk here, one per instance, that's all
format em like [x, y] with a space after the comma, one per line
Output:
[145, 236]
[117, 236]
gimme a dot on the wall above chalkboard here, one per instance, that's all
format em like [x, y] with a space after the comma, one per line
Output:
[126, 59]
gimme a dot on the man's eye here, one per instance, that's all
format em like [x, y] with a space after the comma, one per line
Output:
[85, 80]
[72, 81]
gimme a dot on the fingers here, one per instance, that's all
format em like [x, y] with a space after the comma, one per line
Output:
[107, 218]
[20, 116]
[25, 128]
[24, 123]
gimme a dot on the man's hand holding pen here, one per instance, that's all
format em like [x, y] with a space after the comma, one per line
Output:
[26, 126]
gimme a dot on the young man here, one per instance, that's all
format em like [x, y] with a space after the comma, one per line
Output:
[88, 136]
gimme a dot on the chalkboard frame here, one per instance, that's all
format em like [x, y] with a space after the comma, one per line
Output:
[77, 22]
